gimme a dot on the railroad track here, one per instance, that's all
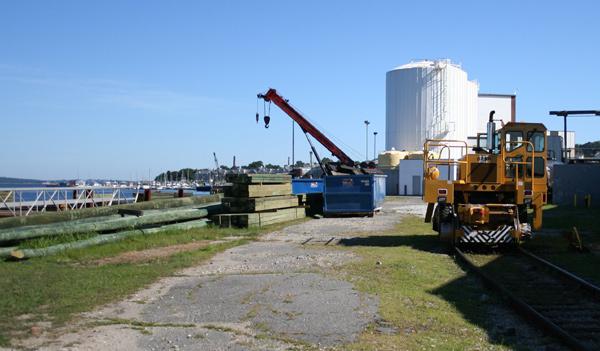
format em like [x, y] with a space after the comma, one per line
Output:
[556, 300]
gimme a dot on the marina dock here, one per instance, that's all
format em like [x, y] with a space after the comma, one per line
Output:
[25, 201]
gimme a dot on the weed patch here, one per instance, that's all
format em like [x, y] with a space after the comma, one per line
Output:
[55, 288]
[425, 298]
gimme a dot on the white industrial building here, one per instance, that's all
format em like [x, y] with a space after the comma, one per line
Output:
[434, 100]
[504, 105]
[556, 144]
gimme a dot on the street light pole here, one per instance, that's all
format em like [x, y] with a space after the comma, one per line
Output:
[374, 145]
[367, 141]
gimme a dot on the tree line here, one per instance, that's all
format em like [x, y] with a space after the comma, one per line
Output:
[589, 149]
[194, 173]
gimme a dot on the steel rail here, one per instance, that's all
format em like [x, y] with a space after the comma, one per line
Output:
[593, 289]
[525, 309]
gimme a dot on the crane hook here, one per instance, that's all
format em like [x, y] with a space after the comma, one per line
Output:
[267, 120]
[257, 117]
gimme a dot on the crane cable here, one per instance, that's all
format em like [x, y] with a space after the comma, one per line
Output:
[267, 119]
[257, 115]
[332, 136]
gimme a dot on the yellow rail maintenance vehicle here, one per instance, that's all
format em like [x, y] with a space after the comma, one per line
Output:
[486, 192]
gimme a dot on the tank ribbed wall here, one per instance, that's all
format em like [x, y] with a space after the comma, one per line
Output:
[429, 100]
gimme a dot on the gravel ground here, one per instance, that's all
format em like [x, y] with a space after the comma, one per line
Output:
[266, 295]
[304, 306]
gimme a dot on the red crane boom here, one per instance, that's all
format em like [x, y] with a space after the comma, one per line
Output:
[307, 127]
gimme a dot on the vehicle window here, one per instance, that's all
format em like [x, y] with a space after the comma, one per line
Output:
[539, 167]
[512, 164]
[537, 138]
[511, 137]
[482, 140]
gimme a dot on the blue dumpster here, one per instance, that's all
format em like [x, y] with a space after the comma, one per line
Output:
[307, 186]
[361, 194]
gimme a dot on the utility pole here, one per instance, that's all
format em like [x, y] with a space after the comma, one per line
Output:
[374, 144]
[367, 141]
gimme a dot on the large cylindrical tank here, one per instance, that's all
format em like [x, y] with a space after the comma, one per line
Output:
[429, 100]
[390, 159]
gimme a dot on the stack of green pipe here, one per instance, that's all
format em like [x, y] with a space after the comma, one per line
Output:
[119, 223]
[101, 239]
[54, 217]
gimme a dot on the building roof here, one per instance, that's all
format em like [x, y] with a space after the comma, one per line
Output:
[427, 63]
[496, 95]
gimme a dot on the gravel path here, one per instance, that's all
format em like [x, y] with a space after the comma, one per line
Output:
[266, 295]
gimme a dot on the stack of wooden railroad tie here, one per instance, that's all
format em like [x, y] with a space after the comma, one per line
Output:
[256, 200]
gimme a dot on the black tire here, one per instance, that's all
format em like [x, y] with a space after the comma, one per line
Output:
[435, 220]
[446, 213]
[523, 217]
[446, 223]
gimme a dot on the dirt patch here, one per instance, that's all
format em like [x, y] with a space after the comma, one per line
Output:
[270, 257]
[305, 306]
[275, 289]
[151, 254]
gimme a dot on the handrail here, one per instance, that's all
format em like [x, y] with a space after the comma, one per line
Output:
[25, 201]
[445, 144]
[524, 154]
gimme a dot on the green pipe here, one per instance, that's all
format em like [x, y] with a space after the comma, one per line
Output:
[101, 239]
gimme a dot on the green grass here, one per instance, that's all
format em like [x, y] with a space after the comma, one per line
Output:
[428, 298]
[556, 248]
[585, 219]
[54, 289]
[41, 242]
[422, 292]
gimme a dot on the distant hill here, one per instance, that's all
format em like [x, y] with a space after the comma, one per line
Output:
[8, 180]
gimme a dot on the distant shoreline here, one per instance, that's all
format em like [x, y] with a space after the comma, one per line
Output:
[19, 181]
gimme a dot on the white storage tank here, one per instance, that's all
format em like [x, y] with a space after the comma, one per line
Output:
[390, 159]
[429, 100]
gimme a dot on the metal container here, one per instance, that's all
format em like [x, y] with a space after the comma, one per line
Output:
[361, 194]
[307, 186]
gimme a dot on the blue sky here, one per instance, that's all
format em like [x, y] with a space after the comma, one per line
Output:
[111, 89]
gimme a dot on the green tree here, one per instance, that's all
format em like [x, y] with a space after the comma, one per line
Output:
[272, 166]
[589, 149]
[186, 173]
[255, 165]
